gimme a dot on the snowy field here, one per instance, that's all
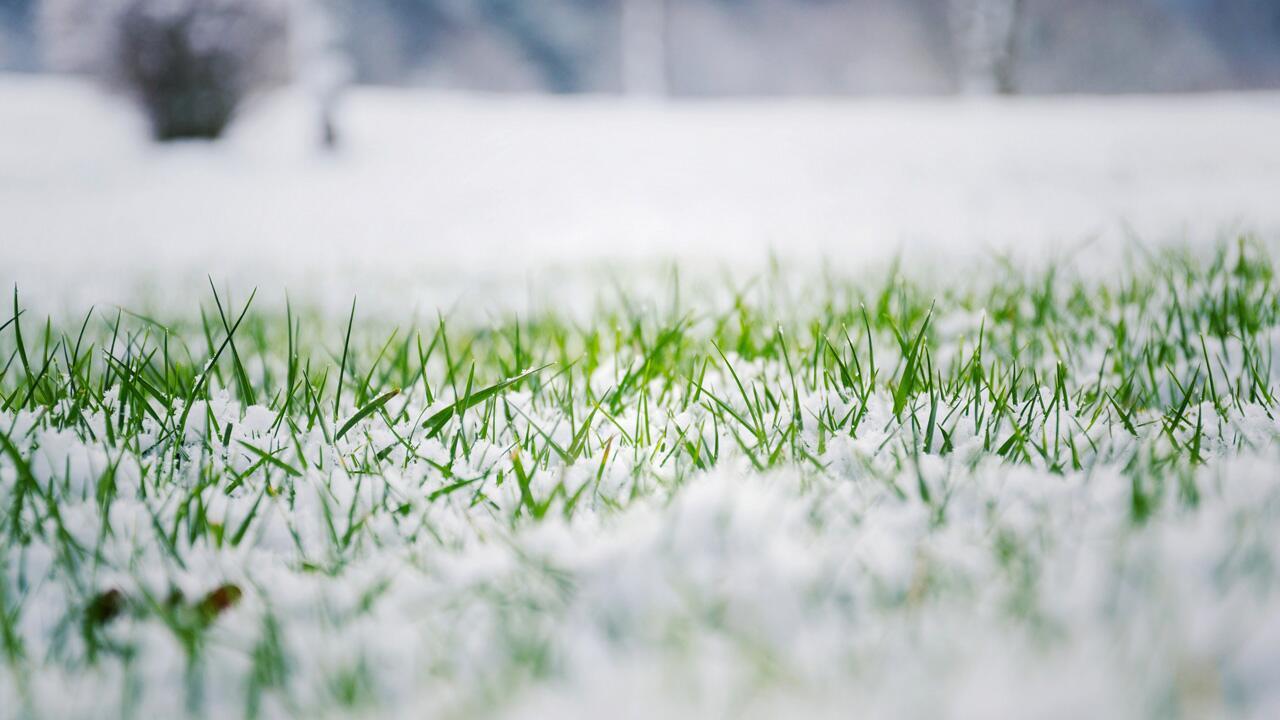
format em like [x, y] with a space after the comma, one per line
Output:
[476, 196]
[869, 408]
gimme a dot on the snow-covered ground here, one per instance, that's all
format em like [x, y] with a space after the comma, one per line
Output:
[435, 196]
[1076, 546]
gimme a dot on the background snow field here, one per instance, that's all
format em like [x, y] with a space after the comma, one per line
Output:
[1041, 494]
[436, 197]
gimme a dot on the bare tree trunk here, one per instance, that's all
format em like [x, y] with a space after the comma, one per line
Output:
[643, 33]
[1006, 65]
[986, 36]
[321, 64]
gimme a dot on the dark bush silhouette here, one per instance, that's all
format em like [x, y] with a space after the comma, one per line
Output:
[191, 64]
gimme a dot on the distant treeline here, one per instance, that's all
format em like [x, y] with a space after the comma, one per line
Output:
[730, 47]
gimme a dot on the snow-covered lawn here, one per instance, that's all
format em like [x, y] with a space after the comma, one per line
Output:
[637, 415]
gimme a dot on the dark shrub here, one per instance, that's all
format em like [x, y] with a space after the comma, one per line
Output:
[192, 63]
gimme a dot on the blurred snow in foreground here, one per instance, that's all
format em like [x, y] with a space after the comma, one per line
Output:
[435, 196]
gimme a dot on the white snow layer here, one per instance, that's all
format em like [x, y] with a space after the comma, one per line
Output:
[434, 196]
[735, 594]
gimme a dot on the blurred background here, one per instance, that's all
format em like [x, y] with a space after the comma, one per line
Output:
[749, 47]
[439, 148]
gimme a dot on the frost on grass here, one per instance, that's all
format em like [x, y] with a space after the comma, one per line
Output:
[1037, 495]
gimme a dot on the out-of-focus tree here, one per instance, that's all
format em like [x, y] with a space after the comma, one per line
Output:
[1248, 34]
[642, 29]
[321, 64]
[768, 47]
[1118, 46]
[553, 35]
[189, 64]
[986, 38]
[799, 47]
[17, 41]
